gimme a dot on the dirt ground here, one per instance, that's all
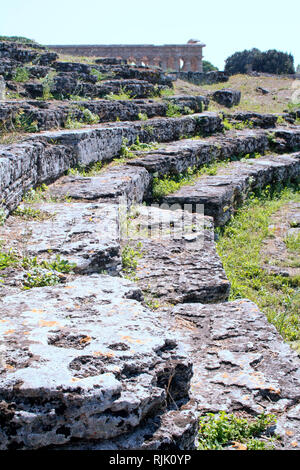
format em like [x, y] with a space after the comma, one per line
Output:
[280, 94]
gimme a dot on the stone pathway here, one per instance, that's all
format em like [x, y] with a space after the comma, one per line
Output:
[86, 363]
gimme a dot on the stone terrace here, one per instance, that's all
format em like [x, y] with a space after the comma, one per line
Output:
[90, 359]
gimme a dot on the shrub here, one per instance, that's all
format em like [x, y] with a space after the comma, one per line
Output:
[218, 431]
[173, 110]
[21, 75]
[208, 66]
[272, 61]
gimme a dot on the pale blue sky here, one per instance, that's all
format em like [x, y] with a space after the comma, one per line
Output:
[224, 26]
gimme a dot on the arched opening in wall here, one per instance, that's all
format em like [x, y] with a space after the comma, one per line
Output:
[181, 64]
[156, 61]
[131, 60]
[144, 61]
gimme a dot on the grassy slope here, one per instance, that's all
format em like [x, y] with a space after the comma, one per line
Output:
[276, 101]
[239, 247]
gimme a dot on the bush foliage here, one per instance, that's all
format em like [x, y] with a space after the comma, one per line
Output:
[271, 61]
[208, 66]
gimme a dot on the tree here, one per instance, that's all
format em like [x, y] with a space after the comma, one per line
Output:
[271, 61]
[241, 62]
[208, 66]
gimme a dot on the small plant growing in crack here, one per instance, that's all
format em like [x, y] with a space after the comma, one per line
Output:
[130, 256]
[222, 430]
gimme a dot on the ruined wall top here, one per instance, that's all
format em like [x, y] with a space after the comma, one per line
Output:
[187, 57]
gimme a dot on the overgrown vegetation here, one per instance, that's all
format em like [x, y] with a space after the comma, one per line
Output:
[130, 257]
[127, 150]
[36, 273]
[293, 242]
[228, 126]
[25, 123]
[28, 213]
[169, 184]
[272, 61]
[88, 118]
[21, 75]
[92, 169]
[41, 194]
[100, 76]
[208, 66]
[122, 95]
[240, 248]
[20, 39]
[173, 110]
[48, 83]
[224, 430]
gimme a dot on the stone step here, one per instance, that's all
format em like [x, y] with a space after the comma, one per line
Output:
[241, 364]
[88, 362]
[261, 120]
[45, 115]
[133, 183]
[47, 156]
[134, 180]
[224, 192]
[177, 259]
[66, 85]
[177, 157]
[115, 71]
[84, 234]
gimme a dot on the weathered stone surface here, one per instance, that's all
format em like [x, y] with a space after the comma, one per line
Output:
[32, 56]
[65, 85]
[2, 88]
[85, 361]
[110, 61]
[283, 140]
[172, 431]
[263, 121]
[263, 91]
[222, 193]
[117, 70]
[45, 157]
[23, 53]
[64, 79]
[178, 260]
[133, 183]
[55, 114]
[195, 103]
[242, 364]
[84, 234]
[177, 157]
[227, 97]
[28, 164]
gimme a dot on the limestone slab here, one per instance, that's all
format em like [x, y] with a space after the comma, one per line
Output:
[222, 193]
[178, 260]
[84, 234]
[241, 363]
[84, 361]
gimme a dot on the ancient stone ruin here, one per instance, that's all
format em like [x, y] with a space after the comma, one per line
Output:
[116, 329]
[185, 57]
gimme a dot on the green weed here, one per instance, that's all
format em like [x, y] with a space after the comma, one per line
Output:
[21, 75]
[240, 246]
[218, 431]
